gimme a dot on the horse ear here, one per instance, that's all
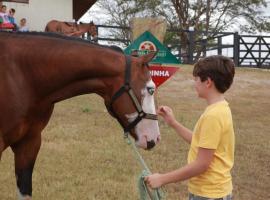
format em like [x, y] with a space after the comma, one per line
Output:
[148, 57]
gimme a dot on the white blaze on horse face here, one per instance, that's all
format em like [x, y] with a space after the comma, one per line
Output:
[148, 130]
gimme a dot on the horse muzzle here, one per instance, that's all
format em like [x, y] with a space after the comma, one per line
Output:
[146, 145]
[150, 144]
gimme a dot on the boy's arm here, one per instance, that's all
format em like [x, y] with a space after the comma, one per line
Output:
[168, 116]
[182, 131]
[199, 166]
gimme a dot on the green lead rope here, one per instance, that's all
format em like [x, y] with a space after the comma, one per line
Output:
[145, 192]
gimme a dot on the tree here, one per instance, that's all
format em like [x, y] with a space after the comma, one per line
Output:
[120, 13]
[213, 16]
[210, 16]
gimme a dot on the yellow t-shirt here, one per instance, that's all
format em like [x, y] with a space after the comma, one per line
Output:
[214, 130]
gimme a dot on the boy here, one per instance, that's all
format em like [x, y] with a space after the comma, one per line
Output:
[211, 153]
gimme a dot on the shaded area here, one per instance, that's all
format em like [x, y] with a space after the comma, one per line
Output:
[81, 6]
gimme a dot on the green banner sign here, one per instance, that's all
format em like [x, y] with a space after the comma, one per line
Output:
[147, 42]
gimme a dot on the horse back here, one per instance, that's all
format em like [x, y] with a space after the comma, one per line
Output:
[53, 26]
[72, 24]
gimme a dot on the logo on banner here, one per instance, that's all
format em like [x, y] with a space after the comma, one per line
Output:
[148, 46]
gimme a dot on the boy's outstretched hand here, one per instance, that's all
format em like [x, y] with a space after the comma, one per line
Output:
[153, 181]
[167, 114]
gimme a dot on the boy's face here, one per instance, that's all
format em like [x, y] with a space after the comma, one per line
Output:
[201, 87]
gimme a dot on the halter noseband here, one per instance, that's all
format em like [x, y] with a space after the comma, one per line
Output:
[127, 88]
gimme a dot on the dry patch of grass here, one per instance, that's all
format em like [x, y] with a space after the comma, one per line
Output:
[83, 155]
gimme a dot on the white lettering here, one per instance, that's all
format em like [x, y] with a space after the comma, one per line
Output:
[159, 73]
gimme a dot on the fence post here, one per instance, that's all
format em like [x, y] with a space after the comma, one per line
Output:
[191, 46]
[97, 27]
[204, 45]
[180, 53]
[236, 48]
[260, 51]
[219, 45]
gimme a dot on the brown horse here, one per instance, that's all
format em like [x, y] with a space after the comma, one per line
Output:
[72, 29]
[34, 76]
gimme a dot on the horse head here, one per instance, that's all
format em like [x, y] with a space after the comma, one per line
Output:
[132, 103]
[92, 30]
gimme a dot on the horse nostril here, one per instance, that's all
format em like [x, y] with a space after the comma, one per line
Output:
[150, 144]
[158, 139]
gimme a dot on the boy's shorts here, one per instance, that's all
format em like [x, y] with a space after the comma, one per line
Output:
[194, 197]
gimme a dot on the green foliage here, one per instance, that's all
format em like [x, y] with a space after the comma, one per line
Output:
[169, 37]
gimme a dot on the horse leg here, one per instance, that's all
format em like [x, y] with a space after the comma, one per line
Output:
[59, 28]
[2, 145]
[25, 152]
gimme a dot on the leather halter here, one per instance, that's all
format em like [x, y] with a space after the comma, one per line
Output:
[126, 88]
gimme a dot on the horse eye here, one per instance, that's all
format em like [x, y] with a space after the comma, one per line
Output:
[150, 90]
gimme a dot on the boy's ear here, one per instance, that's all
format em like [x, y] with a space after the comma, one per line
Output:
[209, 82]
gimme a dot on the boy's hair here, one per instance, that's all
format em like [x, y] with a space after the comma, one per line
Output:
[219, 69]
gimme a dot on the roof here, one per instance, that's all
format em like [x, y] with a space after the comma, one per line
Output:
[81, 6]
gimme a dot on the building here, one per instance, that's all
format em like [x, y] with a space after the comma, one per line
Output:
[39, 12]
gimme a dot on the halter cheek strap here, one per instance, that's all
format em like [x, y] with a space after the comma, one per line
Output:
[126, 88]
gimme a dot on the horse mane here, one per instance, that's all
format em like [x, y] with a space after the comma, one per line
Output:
[116, 48]
[64, 37]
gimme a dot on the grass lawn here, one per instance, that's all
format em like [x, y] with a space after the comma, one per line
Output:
[83, 154]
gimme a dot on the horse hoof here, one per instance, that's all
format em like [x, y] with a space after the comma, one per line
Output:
[27, 198]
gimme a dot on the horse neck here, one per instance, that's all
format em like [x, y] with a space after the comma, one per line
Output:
[84, 27]
[76, 71]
